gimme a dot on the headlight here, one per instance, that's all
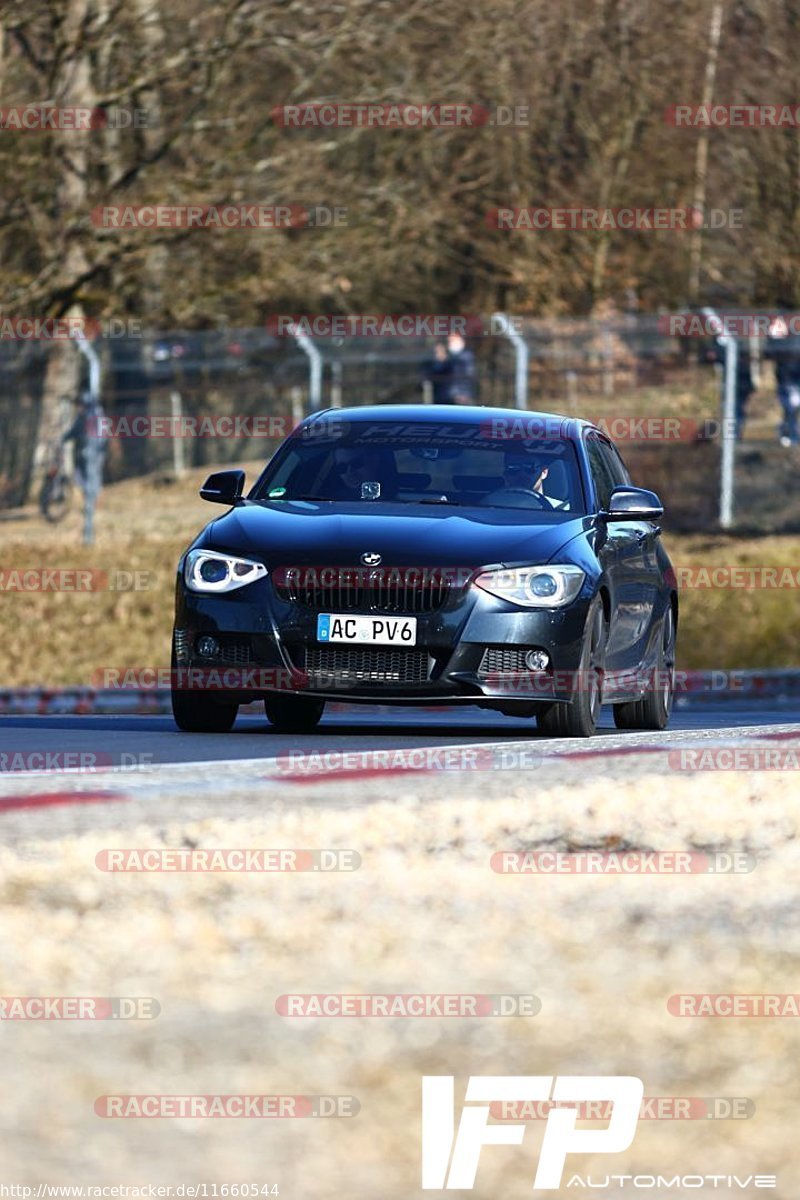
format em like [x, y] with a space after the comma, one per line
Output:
[206, 571]
[534, 587]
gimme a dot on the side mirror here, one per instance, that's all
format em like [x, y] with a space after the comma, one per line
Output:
[634, 504]
[225, 487]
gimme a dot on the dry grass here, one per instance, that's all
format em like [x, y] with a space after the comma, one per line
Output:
[423, 914]
[143, 525]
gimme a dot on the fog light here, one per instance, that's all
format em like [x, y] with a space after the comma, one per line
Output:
[207, 647]
[537, 660]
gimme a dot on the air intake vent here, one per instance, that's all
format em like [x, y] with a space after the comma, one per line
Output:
[334, 667]
[503, 661]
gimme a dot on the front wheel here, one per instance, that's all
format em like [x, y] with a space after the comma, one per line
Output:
[198, 713]
[653, 710]
[579, 718]
[294, 714]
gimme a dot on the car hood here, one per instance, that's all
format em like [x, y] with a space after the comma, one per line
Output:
[305, 533]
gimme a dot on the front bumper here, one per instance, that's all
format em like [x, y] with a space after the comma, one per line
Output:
[470, 650]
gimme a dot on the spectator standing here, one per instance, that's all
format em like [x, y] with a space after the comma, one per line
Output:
[462, 383]
[744, 382]
[439, 373]
[86, 432]
[784, 349]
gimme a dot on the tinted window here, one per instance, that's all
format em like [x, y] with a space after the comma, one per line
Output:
[602, 472]
[617, 468]
[417, 462]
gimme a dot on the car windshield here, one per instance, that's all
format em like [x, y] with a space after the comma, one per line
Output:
[424, 463]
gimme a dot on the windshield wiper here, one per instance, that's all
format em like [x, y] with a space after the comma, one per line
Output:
[440, 500]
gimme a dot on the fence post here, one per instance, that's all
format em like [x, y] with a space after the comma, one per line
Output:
[336, 385]
[728, 432]
[506, 326]
[297, 406]
[608, 363]
[755, 360]
[315, 368]
[176, 412]
[572, 389]
[90, 354]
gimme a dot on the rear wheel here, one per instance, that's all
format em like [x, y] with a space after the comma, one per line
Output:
[653, 710]
[579, 719]
[294, 714]
[56, 497]
[195, 712]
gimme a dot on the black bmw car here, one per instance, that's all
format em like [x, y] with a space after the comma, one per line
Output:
[428, 554]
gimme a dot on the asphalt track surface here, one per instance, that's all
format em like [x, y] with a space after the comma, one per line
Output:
[142, 770]
[364, 728]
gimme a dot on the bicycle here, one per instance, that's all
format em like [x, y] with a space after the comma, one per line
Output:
[56, 494]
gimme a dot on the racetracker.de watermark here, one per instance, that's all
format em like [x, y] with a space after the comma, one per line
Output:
[737, 578]
[731, 1004]
[407, 1005]
[323, 763]
[74, 579]
[327, 114]
[78, 1008]
[413, 577]
[653, 1108]
[201, 679]
[621, 862]
[219, 216]
[390, 325]
[735, 758]
[224, 426]
[585, 219]
[87, 762]
[733, 116]
[226, 859]
[48, 118]
[620, 428]
[733, 324]
[65, 329]
[232, 1107]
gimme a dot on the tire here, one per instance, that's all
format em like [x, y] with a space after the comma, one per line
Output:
[294, 714]
[198, 713]
[579, 718]
[653, 710]
[55, 499]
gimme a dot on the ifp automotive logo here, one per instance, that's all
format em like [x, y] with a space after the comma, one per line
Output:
[442, 1148]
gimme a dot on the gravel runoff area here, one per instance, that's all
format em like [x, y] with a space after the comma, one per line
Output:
[424, 913]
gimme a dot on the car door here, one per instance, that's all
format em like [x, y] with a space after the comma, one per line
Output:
[621, 556]
[642, 559]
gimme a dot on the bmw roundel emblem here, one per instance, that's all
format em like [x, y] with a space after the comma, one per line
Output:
[370, 559]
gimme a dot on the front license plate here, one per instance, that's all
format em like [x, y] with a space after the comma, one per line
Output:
[369, 631]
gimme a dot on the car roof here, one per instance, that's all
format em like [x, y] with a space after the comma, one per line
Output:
[460, 414]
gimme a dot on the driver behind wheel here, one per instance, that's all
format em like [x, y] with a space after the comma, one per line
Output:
[520, 474]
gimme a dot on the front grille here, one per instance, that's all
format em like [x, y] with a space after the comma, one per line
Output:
[337, 666]
[358, 589]
[501, 660]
